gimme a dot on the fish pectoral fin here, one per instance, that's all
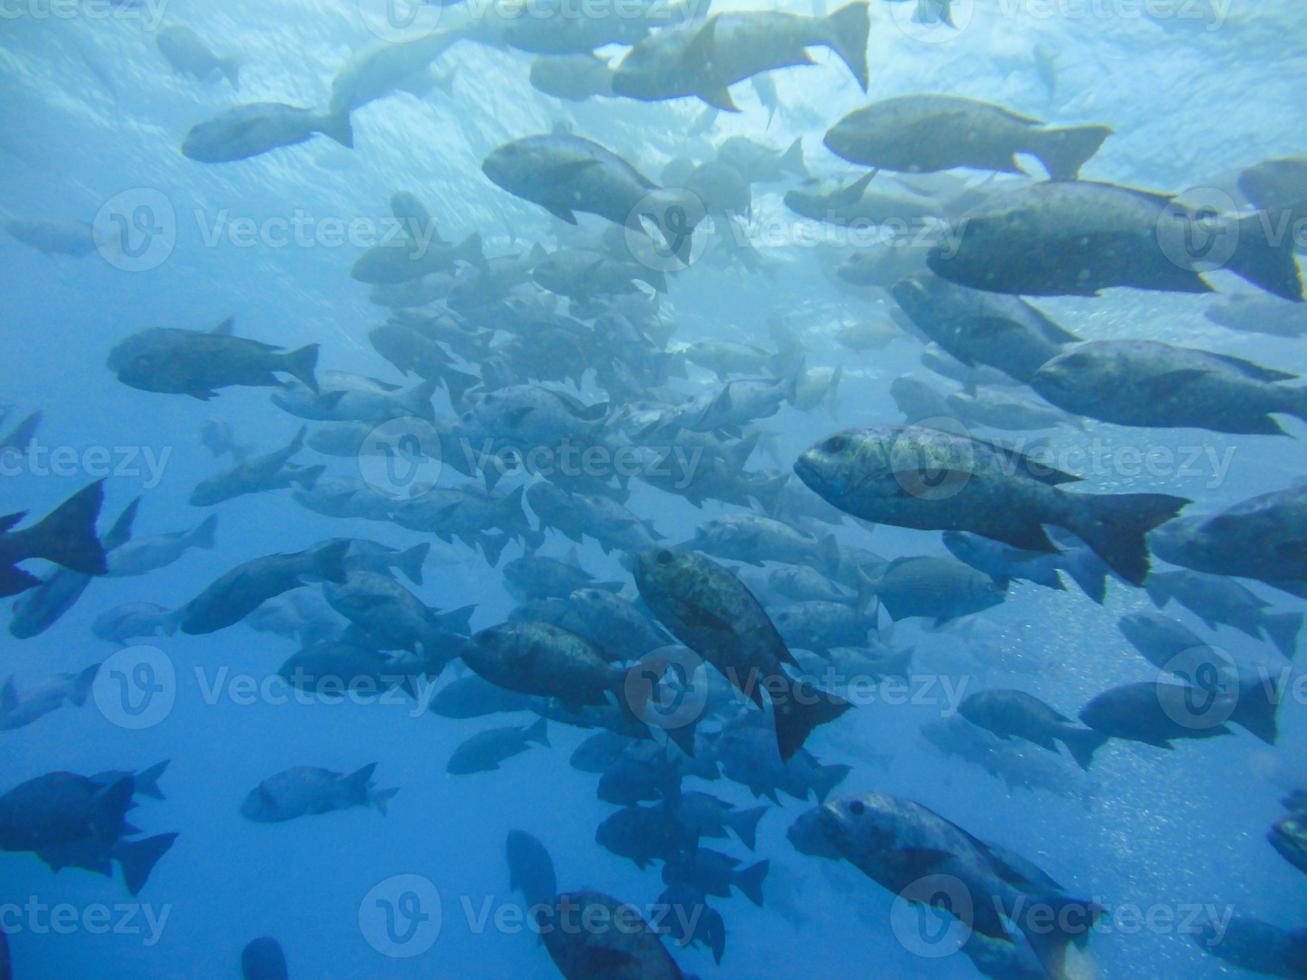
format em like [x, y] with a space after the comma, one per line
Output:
[1172, 383]
[702, 619]
[924, 860]
[558, 211]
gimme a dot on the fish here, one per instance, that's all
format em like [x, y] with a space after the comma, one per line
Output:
[564, 174]
[233, 596]
[134, 620]
[52, 237]
[706, 607]
[575, 77]
[140, 556]
[1251, 944]
[1017, 714]
[929, 133]
[907, 848]
[387, 67]
[1260, 538]
[931, 479]
[256, 128]
[530, 868]
[1004, 564]
[305, 790]
[937, 588]
[65, 536]
[75, 821]
[187, 55]
[1247, 693]
[259, 474]
[1254, 313]
[384, 612]
[715, 873]
[1078, 238]
[35, 701]
[1218, 599]
[705, 61]
[1155, 713]
[264, 959]
[624, 946]
[754, 539]
[484, 751]
[342, 397]
[762, 164]
[1149, 383]
[173, 361]
[976, 327]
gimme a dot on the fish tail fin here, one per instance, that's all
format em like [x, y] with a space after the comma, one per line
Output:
[202, 536]
[470, 250]
[1064, 151]
[538, 733]
[23, 432]
[147, 781]
[1283, 630]
[458, 383]
[826, 778]
[381, 799]
[846, 32]
[1159, 591]
[1115, 526]
[66, 536]
[1264, 257]
[792, 159]
[138, 859]
[749, 881]
[80, 684]
[745, 825]
[1090, 575]
[411, 560]
[231, 70]
[357, 786]
[338, 127]
[1082, 743]
[1049, 935]
[802, 710]
[302, 365]
[1255, 709]
[308, 476]
[492, 546]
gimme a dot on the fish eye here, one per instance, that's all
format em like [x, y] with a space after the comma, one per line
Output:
[835, 444]
[857, 808]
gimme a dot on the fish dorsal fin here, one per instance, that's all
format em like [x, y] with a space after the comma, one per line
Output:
[852, 194]
[1250, 370]
[224, 329]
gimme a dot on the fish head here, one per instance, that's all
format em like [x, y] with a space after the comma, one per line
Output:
[1289, 837]
[844, 463]
[860, 827]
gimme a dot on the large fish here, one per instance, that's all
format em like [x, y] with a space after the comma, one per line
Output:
[931, 479]
[709, 609]
[565, 174]
[928, 133]
[1016, 714]
[1076, 238]
[706, 61]
[914, 852]
[305, 790]
[1149, 383]
[197, 362]
[186, 54]
[250, 130]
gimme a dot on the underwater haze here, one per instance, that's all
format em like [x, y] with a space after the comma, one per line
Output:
[653, 488]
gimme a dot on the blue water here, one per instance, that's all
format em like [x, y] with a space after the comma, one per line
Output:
[1190, 104]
